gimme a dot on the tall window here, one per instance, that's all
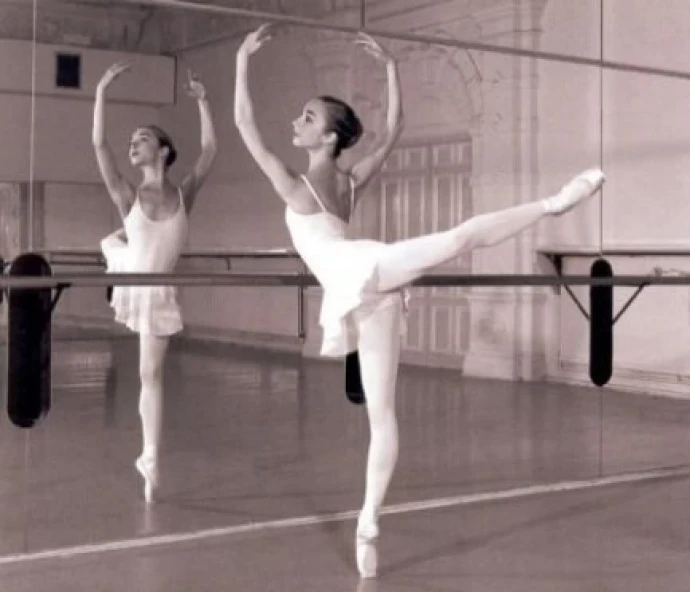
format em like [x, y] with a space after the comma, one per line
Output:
[425, 187]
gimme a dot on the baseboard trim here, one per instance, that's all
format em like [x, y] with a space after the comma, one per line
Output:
[639, 382]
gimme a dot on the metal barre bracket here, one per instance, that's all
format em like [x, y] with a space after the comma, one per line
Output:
[556, 260]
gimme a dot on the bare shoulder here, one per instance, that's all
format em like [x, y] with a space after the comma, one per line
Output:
[299, 195]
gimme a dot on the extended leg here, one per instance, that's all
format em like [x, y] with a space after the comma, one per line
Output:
[402, 262]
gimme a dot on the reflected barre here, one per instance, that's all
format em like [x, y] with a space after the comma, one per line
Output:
[95, 258]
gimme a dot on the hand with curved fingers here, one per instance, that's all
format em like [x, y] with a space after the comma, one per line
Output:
[253, 42]
[112, 73]
[373, 48]
[194, 87]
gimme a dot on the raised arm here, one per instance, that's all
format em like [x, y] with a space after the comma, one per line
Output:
[118, 187]
[365, 169]
[283, 180]
[209, 146]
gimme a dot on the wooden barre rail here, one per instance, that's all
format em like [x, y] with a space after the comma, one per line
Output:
[297, 279]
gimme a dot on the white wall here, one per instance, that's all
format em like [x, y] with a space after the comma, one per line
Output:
[63, 118]
[646, 154]
[643, 140]
[150, 81]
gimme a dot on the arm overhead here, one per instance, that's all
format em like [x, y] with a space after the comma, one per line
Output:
[365, 169]
[119, 188]
[282, 179]
[209, 146]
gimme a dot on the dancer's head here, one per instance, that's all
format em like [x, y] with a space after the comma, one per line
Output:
[327, 122]
[150, 145]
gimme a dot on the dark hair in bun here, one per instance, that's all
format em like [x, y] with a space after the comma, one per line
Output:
[164, 141]
[344, 122]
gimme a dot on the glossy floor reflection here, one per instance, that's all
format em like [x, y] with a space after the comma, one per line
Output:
[252, 436]
[620, 539]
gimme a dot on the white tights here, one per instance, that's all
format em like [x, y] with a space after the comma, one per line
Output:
[404, 261]
[379, 349]
[151, 358]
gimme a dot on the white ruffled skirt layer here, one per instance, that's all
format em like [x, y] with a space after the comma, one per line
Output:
[152, 310]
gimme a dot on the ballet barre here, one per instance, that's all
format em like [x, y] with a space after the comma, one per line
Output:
[95, 258]
[306, 280]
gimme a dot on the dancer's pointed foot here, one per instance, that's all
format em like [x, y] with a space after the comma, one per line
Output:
[148, 469]
[365, 547]
[578, 189]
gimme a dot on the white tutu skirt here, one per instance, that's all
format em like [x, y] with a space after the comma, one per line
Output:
[151, 310]
[349, 279]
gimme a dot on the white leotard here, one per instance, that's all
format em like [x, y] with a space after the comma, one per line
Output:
[345, 268]
[153, 246]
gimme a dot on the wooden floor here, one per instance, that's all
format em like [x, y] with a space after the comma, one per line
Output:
[263, 465]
